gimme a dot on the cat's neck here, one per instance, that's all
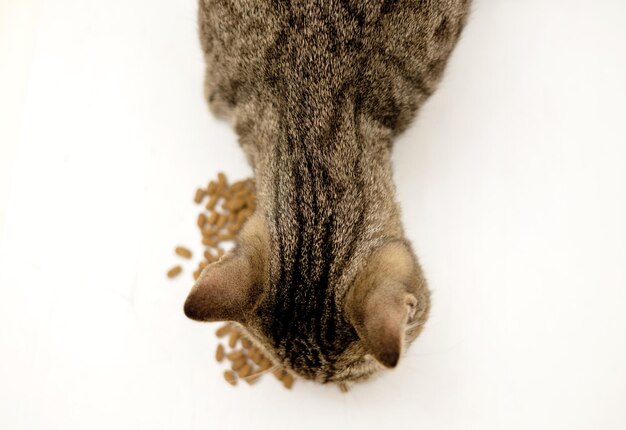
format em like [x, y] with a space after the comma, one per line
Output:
[337, 172]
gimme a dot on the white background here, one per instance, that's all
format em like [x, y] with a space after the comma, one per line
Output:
[513, 188]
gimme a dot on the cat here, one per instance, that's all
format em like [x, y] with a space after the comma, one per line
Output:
[322, 276]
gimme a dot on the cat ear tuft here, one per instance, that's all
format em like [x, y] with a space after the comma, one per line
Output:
[225, 291]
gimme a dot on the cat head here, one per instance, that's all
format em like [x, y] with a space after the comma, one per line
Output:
[344, 330]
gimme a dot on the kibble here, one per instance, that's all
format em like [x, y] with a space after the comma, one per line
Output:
[221, 221]
[280, 375]
[265, 364]
[230, 377]
[234, 337]
[201, 220]
[235, 355]
[253, 378]
[209, 257]
[207, 241]
[211, 188]
[288, 381]
[225, 210]
[225, 237]
[221, 182]
[183, 252]
[174, 271]
[223, 330]
[200, 194]
[245, 371]
[219, 353]
[238, 364]
[212, 202]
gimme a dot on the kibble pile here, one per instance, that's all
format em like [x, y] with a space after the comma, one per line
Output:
[248, 362]
[226, 209]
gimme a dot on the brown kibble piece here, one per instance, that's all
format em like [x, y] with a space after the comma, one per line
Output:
[245, 371]
[223, 330]
[237, 186]
[200, 194]
[221, 221]
[234, 337]
[235, 355]
[208, 233]
[257, 359]
[201, 220]
[208, 241]
[212, 202]
[212, 188]
[241, 216]
[196, 275]
[174, 271]
[265, 364]
[219, 353]
[213, 218]
[183, 252]
[253, 378]
[254, 354]
[279, 374]
[246, 343]
[230, 377]
[224, 237]
[288, 381]
[209, 257]
[234, 204]
[241, 195]
[238, 364]
[221, 181]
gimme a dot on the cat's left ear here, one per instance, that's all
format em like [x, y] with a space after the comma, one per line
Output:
[388, 293]
[380, 319]
[229, 289]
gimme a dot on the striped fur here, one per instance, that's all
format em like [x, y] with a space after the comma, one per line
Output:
[317, 90]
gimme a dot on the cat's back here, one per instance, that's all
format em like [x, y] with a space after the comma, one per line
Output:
[306, 57]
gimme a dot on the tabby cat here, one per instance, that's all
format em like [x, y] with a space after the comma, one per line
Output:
[322, 277]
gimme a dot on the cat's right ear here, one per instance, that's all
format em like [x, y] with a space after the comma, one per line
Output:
[229, 289]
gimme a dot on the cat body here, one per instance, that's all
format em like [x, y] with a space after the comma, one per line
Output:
[322, 276]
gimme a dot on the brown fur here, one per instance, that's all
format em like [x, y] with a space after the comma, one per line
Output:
[322, 276]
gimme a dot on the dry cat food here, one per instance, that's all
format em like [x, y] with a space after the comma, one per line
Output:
[183, 252]
[174, 271]
[226, 208]
[247, 362]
